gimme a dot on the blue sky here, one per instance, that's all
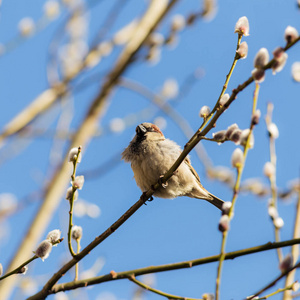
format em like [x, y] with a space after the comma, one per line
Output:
[164, 231]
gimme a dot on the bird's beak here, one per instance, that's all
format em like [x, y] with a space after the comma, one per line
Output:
[141, 130]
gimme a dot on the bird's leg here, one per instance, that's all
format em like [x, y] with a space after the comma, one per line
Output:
[164, 185]
[145, 199]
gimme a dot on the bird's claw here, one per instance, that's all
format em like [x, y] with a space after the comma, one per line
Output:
[145, 198]
[163, 184]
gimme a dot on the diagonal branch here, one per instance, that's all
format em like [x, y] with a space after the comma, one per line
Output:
[207, 126]
[153, 15]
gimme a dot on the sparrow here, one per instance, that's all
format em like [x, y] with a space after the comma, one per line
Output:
[151, 155]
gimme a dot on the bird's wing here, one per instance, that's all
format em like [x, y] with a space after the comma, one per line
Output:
[188, 163]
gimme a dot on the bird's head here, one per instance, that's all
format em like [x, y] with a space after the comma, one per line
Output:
[149, 131]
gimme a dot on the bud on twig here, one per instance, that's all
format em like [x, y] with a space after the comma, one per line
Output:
[73, 154]
[258, 75]
[287, 263]
[235, 136]
[23, 270]
[178, 23]
[242, 26]
[54, 236]
[269, 169]
[78, 182]
[76, 232]
[255, 117]
[226, 207]
[224, 99]
[242, 51]
[296, 71]
[220, 135]
[230, 129]
[237, 158]
[280, 59]
[273, 130]
[224, 223]
[43, 250]
[290, 34]
[261, 58]
[244, 138]
[204, 111]
[278, 222]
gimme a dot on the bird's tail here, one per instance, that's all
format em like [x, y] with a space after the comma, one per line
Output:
[215, 201]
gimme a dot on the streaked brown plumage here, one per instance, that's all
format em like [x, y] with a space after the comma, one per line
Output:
[152, 155]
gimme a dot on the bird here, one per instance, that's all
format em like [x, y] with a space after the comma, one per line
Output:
[151, 155]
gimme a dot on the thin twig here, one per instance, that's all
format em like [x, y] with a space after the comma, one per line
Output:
[17, 270]
[272, 283]
[235, 195]
[287, 288]
[272, 178]
[158, 292]
[287, 295]
[169, 267]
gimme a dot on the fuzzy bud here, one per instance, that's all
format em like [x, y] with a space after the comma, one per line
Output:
[51, 9]
[258, 75]
[73, 155]
[92, 59]
[220, 135]
[273, 130]
[155, 39]
[290, 34]
[244, 138]
[207, 296]
[269, 169]
[43, 250]
[154, 55]
[224, 223]
[272, 211]
[26, 26]
[242, 26]
[235, 136]
[23, 270]
[295, 286]
[296, 71]
[280, 60]
[242, 50]
[287, 263]
[76, 232]
[230, 129]
[178, 23]
[54, 236]
[261, 58]
[255, 117]
[204, 111]
[278, 222]
[105, 48]
[224, 99]
[117, 125]
[78, 182]
[170, 89]
[237, 158]
[70, 193]
[226, 207]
